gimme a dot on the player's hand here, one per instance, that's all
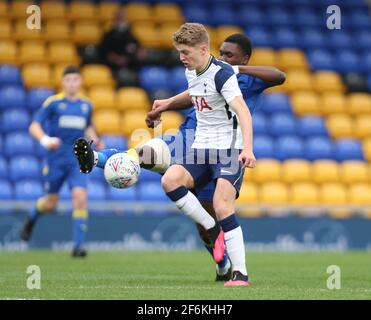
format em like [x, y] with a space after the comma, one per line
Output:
[160, 105]
[50, 143]
[153, 118]
[247, 159]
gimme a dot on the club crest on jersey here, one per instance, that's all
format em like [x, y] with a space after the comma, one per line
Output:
[62, 106]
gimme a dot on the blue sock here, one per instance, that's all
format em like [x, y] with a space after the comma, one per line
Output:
[222, 263]
[104, 155]
[79, 231]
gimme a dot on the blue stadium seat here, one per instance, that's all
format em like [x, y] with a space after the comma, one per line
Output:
[221, 15]
[318, 148]
[15, 120]
[36, 97]
[311, 126]
[339, 40]
[348, 61]
[18, 143]
[28, 190]
[312, 39]
[359, 19]
[178, 81]
[97, 174]
[321, 60]
[1, 139]
[3, 168]
[6, 192]
[115, 142]
[147, 175]
[10, 75]
[196, 13]
[12, 97]
[367, 62]
[289, 147]
[154, 78]
[249, 15]
[259, 36]
[264, 147]
[97, 191]
[275, 102]
[129, 194]
[151, 191]
[24, 167]
[369, 82]
[277, 17]
[305, 17]
[363, 40]
[260, 123]
[285, 38]
[65, 193]
[282, 124]
[348, 149]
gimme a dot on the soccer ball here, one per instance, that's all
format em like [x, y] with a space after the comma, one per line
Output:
[122, 170]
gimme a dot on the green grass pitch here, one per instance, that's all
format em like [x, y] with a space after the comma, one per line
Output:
[181, 275]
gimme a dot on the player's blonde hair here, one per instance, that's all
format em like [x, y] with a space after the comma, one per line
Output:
[191, 34]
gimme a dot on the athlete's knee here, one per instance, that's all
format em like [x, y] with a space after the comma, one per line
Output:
[47, 203]
[170, 182]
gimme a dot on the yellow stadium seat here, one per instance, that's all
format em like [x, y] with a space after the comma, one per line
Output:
[139, 138]
[335, 194]
[80, 10]
[358, 103]
[222, 32]
[107, 121]
[212, 35]
[18, 9]
[32, 51]
[103, 97]
[37, 75]
[62, 52]
[263, 57]
[53, 9]
[107, 10]
[273, 193]
[362, 126]
[170, 123]
[305, 103]
[55, 30]
[131, 98]
[139, 12]
[340, 126]
[327, 81]
[97, 75]
[303, 193]
[4, 9]
[325, 171]
[291, 59]
[8, 51]
[166, 32]
[214, 51]
[21, 32]
[6, 29]
[147, 35]
[166, 12]
[297, 80]
[353, 171]
[296, 171]
[266, 170]
[367, 149]
[248, 196]
[360, 194]
[86, 32]
[332, 102]
[133, 120]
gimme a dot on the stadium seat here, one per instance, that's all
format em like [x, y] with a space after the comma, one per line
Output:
[65, 193]
[6, 190]
[132, 98]
[24, 167]
[282, 124]
[170, 123]
[166, 31]
[320, 59]
[264, 147]
[18, 143]
[306, 18]
[139, 12]
[12, 97]
[178, 81]
[273, 193]
[10, 75]
[289, 147]
[35, 97]
[147, 34]
[334, 194]
[311, 126]
[3, 168]
[363, 40]
[224, 31]
[298, 80]
[151, 191]
[296, 171]
[129, 194]
[248, 196]
[367, 149]
[316, 148]
[97, 191]
[260, 123]
[325, 171]
[354, 172]
[22, 32]
[6, 29]
[37, 75]
[107, 10]
[8, 51]
[260, 36]
[277, 17]
[167, 12]
[291, 59]
[115, 142]
[97, 75]
[263, 57]
[347, 61]
[18, 9]
[359, 194]
[275, 102]
[305, 103]
[62, 52]
[4, 9]
[102, 97]
[133, 120]
[31, 51]
[359, 103]
[107, 121]
[221, 14]
[340, 40]
[195, 12]
[332, 102]
[303, 193]
[86, 32]
[154, 78]
[327, 81]
[348, 149]
[285, 38]
[147, 175]
[82, 10]
[340, 126]
[28, 190]
[15, 120]
[249, 15]
[96, 174]
[53, 9]
[312, 38]
[57, 30]
[362, 127]
[266, 170]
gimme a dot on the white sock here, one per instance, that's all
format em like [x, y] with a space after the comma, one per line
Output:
[236, 249]
[191, 207]
[95, 158]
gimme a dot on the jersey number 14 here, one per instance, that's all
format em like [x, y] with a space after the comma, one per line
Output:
[201, 104]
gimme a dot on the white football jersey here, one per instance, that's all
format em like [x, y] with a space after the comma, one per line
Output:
[211, 90]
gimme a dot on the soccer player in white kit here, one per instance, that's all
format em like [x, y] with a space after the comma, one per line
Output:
[222, 148]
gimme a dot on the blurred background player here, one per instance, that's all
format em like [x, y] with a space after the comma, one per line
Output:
[57, 124]
[235, 50]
